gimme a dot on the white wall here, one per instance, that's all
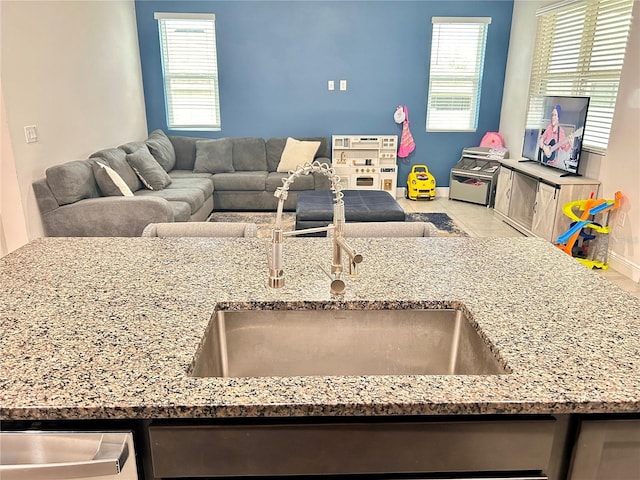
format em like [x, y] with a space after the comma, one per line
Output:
[619, 169]
[13, 228]
[72, 68]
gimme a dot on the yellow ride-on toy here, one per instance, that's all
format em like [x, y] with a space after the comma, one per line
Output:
[420, 183]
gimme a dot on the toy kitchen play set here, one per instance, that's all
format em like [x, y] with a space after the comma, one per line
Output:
[366, 161]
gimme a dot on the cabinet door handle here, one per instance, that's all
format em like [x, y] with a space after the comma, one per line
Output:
[109, 454]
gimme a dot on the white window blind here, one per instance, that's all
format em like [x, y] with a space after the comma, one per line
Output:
[455, 75]
[579, 50]
[190, 70]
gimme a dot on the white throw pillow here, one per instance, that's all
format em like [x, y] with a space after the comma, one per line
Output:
[296, 153]
[117, 180]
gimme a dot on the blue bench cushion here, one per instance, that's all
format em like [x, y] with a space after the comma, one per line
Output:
[315, 208]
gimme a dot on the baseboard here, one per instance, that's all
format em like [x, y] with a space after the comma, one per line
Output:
[442, 192]
[624, 266]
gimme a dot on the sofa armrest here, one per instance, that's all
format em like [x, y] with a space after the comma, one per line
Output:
[106, 217]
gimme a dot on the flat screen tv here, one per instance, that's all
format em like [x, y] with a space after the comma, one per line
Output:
[554, 131]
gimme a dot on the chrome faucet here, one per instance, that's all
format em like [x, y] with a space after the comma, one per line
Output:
[276, 273]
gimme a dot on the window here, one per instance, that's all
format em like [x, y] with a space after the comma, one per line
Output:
[455, 75]
[190, 70]
[579, 50]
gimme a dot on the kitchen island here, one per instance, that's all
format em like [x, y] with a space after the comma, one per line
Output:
[107, 328]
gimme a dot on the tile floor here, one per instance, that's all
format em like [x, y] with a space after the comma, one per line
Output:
[479, 221]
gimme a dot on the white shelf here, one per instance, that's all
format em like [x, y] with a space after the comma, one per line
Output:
[366, 162]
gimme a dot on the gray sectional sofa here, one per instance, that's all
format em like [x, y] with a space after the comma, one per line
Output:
[168, 179]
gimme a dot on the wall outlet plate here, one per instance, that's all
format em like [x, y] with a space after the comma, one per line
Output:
[31, 134]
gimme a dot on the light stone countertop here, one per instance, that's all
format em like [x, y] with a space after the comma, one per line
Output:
[97, 328]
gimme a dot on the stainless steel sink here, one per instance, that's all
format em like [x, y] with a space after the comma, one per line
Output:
[259, 343]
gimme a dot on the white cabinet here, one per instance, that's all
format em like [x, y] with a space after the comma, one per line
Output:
[530, 197]
[607, 449]
[503, 191]
[545, 210]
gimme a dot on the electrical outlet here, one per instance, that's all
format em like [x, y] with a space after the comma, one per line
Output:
[331, 85]
[31, 134]
[343, 85]
[621, 219]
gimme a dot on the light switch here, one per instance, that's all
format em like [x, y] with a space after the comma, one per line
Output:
[343, 84]
[31, 134]
[331, 85]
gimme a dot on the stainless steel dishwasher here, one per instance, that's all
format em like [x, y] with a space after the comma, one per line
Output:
[57, 455]
[510, 449]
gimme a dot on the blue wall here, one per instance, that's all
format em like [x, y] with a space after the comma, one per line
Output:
[275, 57]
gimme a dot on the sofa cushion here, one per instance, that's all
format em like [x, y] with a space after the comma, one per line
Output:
[193, 196]
[214, 156]
[110, 183]
[150, 172]
[204, 184]
[249, 154]
[162, 149]
[304, 182]
[72, 181]
[297, 153]
[116, 158]
[275, 147]
[175, 174]
[253, 181]
[185, 148]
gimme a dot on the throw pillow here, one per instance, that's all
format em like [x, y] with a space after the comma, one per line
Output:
[214, 156]
[162, 149]
[148, 170]
[111, 184]
[296, 153]
[116, 158]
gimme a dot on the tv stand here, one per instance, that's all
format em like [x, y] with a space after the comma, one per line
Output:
[530, 197]
[571, 174]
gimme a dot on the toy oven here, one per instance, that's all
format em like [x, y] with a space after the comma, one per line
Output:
[365, 181]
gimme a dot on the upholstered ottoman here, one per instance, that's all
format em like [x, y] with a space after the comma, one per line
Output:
[315, 208]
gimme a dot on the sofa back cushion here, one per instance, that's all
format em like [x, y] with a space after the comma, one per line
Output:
[185, 148]
[214, 156]
[116, 158]
[249, 154]
[72, 181]
[275, 147]
[162, 150]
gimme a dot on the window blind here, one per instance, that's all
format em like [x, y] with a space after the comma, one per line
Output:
[190, 70]
[579, 50]
[455, 74]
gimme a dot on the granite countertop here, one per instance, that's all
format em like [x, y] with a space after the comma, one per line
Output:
[108, 328]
